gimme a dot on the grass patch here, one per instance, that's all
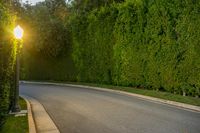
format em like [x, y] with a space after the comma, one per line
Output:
[152, 93]
[16, 124]
[22, 104]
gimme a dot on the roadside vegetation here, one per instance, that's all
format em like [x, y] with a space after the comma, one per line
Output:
[146, 92]
[7, 58]
[153, 93]
[149, 44]
[16, 124]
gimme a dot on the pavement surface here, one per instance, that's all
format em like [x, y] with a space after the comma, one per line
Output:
[82, 110]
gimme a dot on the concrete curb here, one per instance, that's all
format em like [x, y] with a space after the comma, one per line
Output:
[43, 122]
[158, 100]
[31, 123]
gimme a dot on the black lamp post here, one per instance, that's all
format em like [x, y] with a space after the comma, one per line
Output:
[18, 32]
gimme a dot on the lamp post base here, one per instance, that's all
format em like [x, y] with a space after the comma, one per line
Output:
[16, 108]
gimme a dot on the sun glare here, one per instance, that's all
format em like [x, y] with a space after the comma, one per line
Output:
[18, 32]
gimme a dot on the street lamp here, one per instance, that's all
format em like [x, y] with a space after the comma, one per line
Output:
[18, 33]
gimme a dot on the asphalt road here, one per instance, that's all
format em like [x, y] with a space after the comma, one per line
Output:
[81, 110]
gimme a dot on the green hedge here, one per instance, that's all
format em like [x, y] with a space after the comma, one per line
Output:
[37, 67]
[7, 57]
[92, 45]
[152, 44]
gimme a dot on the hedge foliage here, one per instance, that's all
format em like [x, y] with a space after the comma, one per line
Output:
[7, 58]
[152, 44]
[93, 42]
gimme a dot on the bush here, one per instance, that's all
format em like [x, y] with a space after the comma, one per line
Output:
[93, 42]
[7, 58]
[153, 44]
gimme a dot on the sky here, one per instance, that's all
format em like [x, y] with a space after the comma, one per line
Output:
[32, 1]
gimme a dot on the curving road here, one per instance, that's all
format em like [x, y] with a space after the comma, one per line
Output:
[81, 110]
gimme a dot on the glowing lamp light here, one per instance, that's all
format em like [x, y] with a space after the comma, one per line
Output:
[18, 32]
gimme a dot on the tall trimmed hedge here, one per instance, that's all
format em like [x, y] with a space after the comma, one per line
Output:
[152, 44]
[93, 42]
[7, 58]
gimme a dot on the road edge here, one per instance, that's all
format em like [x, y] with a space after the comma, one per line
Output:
[168, 102]
[31, 123]
[39, 117]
